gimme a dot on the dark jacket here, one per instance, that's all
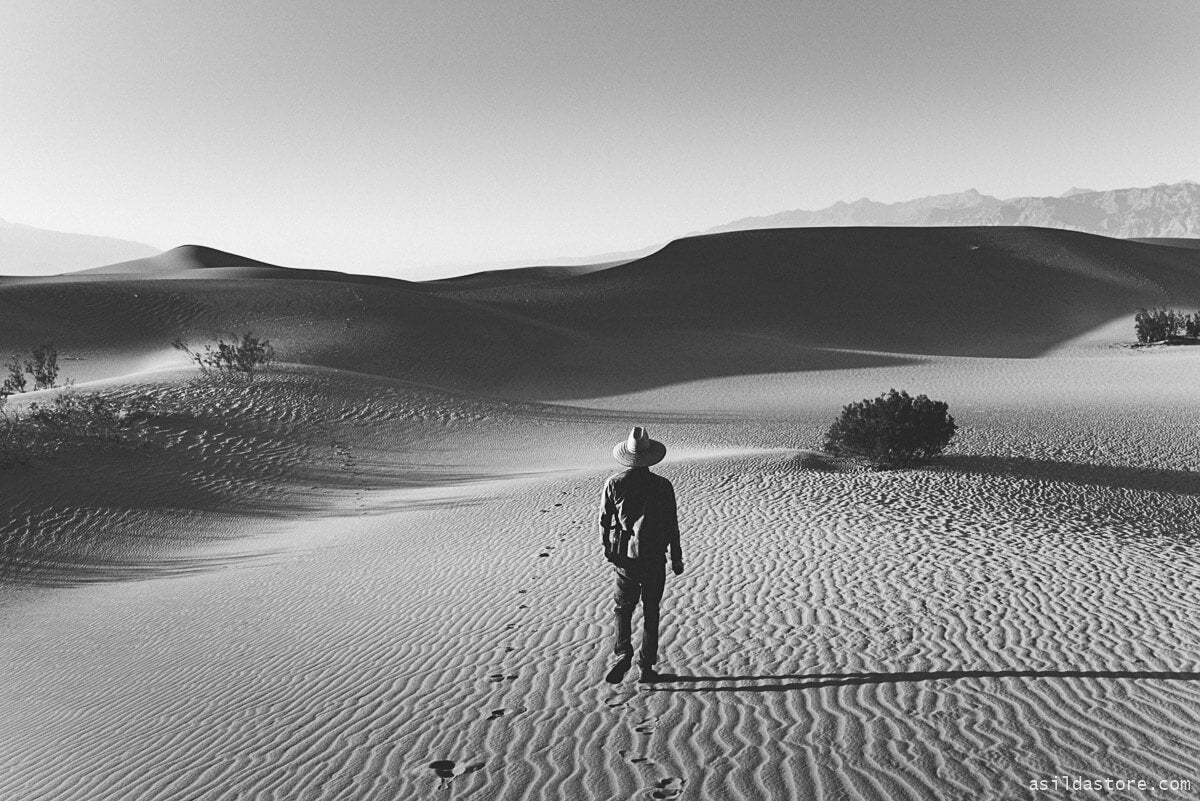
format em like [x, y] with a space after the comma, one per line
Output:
[639, 521]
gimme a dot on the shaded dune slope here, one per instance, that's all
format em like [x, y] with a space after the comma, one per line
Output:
[198, 261]
[182, 259]
[726, 304]
[518, 276]
[1170, 241]
[953, 291]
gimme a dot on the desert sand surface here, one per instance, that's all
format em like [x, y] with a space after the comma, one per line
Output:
[374, 571]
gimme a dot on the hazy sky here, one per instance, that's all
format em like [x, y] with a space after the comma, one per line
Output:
[394, 137]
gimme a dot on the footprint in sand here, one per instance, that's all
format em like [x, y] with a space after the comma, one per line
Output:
[670, 787]
[447, 769]
[495, 678]
[496, 714]
[636, 759]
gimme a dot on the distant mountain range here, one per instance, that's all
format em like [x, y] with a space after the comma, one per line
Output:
[1165, 210]
[25, 250]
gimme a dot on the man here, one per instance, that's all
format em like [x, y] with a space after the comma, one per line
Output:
[639, 524]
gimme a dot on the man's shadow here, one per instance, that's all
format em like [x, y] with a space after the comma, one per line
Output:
[813, 681]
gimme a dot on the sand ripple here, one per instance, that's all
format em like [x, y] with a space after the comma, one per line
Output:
[910, 635]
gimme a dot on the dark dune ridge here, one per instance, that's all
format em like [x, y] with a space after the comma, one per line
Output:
[1170, 241]
[518, 276]
[181, 260]
[951, 291]
[198, 261]
[724, 304]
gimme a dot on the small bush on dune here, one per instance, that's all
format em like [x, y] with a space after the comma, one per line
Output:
[1191, 325]
[15, 381]
[244, 355]
[41, 366]
[73, 417]
[893, 430]
[14, 445]
[69, 418]
[1158, 325]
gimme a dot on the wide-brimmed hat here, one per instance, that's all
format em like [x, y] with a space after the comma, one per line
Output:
[639, 450]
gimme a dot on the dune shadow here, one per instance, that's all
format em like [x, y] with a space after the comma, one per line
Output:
[815, 681]
[1180, 482]
[144, 517]
[30, 570]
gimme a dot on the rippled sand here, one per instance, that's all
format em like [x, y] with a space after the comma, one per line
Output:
[357, 613]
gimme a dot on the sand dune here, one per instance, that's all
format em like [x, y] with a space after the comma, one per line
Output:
[518, 276]
[197, 261]
[373, 572]
[952, 291]
[183, 259]
[721, 305]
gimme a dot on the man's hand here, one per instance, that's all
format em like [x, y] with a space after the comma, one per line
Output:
[677, 568]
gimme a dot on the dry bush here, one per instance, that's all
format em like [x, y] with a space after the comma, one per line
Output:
[243, 356]
[72, 418]
[14, 437]
[893, 430]
[1160, 325]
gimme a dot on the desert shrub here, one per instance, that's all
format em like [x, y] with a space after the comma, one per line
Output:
[14, 436]
[1155, 325]
[72, 417]
[1191, 325]
[15, 381]
[43, 366]
[893, 430]
[69, 418]
[244, 355]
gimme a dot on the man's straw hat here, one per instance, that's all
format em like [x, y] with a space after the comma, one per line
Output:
[639, 450]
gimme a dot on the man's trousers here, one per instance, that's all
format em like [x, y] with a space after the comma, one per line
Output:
[644, 583]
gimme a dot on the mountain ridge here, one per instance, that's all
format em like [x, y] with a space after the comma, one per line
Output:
[1159, 211]
[26, 250]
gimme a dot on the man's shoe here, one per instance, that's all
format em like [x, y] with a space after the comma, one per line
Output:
[648, 675]
[617, 672]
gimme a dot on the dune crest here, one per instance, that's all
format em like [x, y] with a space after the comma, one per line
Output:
[180, 259]
[722, 305]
